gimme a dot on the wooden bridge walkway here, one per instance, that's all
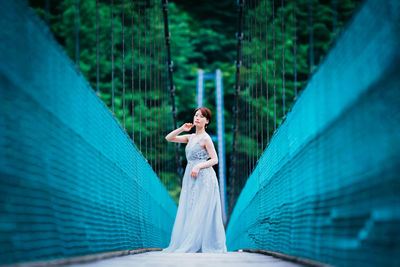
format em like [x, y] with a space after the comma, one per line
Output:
[156, 258]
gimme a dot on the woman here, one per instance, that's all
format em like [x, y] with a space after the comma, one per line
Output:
[198, 224]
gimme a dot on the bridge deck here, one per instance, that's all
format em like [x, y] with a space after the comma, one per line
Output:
[156, 258]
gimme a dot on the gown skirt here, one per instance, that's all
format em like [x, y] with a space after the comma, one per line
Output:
[198, 225]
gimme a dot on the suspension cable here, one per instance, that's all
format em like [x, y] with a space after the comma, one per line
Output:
[153, 90]
[249, 86]
[112, 55]
[123, 62]
[150, 85]
[235, 110]
[158, 94]
[97, 50]
[145, 78]
[132, 77]
[283, 54]
[153, 81]
[163, 115]
[242, 103]
[258, 19]
[295, 49]
[311, 30]
[266, 65]
[244, 79]
[261, 77]
[76, 32]
[251, 131]
[273, 42]
[140, 83]
[171, 84]
[165, 126]
[256, 79]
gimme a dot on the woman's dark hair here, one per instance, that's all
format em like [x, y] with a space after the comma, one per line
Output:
[206, 113]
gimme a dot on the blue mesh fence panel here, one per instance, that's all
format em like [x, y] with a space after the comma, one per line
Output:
[71, 180]
[327, 187]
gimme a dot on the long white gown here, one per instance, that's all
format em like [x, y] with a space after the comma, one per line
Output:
[198, 224]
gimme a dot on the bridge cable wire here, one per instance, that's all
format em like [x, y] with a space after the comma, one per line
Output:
[151, 82]
[256, 78]
[132, 77]
[248, 97]
[260, 41]
[274, 59]
[145, 78]
[153, 88]
[254, 88]
[76, 32]
[171, 85]
[251, 90]
[160, 113]
[243, 91]
[247, 124]
[151, 85]
[165, 123]
[261, 76]
[311, 35]
[283, 54]
[164, 81]
[123, 63]
[238, 63]
[97, 50]
[238, 153]
[158, 95]
[154, 94]
[266, 66]
[295, 48]
[248, 92]
[140, 77]
[252, 122]
[241, 113]
[112, 56]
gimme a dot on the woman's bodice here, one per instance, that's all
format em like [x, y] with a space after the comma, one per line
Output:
[194, 151]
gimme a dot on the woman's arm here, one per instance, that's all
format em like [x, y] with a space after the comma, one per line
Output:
[173, 136]
[211, 162]
[208, 163]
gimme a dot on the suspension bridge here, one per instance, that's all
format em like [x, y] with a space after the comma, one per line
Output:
[76, 187]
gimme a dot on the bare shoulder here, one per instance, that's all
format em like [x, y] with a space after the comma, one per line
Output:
[206, 140]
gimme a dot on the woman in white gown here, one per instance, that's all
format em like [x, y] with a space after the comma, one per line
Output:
[198, 224]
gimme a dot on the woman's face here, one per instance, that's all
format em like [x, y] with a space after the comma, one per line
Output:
[199, 119]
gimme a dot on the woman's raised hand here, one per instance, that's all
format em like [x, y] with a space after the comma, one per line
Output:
[187, 126]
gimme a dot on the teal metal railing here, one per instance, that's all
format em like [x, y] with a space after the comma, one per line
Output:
[327, 186]
[71, 180]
